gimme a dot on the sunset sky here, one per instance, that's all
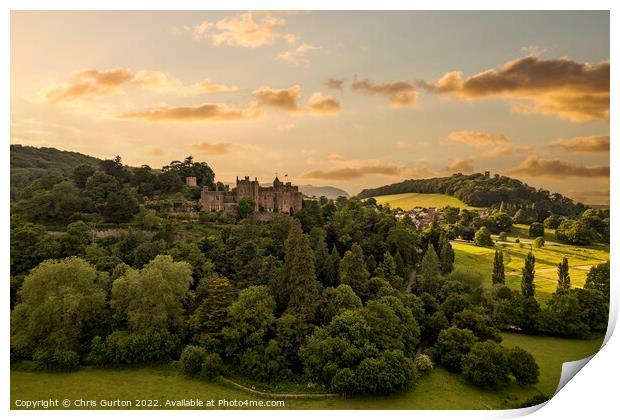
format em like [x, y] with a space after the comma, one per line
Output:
[349, 99]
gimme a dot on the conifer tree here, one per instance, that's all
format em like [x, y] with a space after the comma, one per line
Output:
[401, 267]
[527, 279]
[353, 271]
[210, 316]
[332, 269]
[371, 265]
[446, 259]
[388, 268]
[428, 275]
[499, 277]
[563, 275]
[298, 289]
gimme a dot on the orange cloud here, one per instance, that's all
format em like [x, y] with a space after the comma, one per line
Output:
[348, 173]
[561, 87]
[92, 83]
[335, 83]
[507, 151]
[243, 30]
[478, 139]
[402, 94]
[213, 148]
[556, 168]
[205, 112]
[588, 144]
[461, 165]
[298, 55]
[288, 100]
[88, 82]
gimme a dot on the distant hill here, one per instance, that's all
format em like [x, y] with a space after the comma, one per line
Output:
[327, 191]
[29, 163]
[479, 190]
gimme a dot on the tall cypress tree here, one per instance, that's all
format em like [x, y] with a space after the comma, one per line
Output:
[388, 267]
[429, 275]
[298, 287]
[563, 275]
[527, 279]
[499, 277]
[446, 256]
[353, 271]
[332, 269]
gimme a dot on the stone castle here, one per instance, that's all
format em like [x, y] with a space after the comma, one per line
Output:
[281, 197]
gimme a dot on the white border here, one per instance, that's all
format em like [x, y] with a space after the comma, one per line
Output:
[592, 395]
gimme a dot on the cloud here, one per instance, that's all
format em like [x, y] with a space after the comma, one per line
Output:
[213, 148]
[205, 112]
[288, 100]
[556, 168]
[590, 196]
[587, 144]
[92, 83]
[243, 30]
[324, 105]
[156, 151]
[461, 165]
[335, 83]
[298, 55]
[88, 82]
[562, 87]
[508, 151]
[348, 173]
[478, 139]
[402, 94]
[402, 145]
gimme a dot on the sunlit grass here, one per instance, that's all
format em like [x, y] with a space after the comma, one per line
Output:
[408, 201]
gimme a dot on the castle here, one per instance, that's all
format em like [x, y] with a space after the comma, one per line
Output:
[281, 197]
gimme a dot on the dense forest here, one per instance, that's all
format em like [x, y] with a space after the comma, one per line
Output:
[342, 294]
[479, 190]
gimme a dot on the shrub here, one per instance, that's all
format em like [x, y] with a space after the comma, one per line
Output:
[452, 345]
[211, 366]
[523, 366]
[539, 242]
[56, 360]
[192, 359]
[536, 229]
[423, 363]
[483, 237]
[502, 236]
[344, 382]
[123, 347]
[486, 365]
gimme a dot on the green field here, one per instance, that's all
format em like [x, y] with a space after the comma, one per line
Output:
[480, 259]
[409, 201]
[438, 390]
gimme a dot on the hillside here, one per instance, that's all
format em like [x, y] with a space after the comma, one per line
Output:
[409, 201]
[478, 190]
[29, 163]
[326, 191]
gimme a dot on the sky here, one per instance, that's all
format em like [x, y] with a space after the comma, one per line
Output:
[349, 99]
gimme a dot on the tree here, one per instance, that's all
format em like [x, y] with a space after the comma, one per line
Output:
[336, 300]
[499, 276]
[446, 262]
[332, 268]
[153, 296]
[477, 323]
[563, 275]
[388, 267]
[81, 174]
[245, 207]
[539, 242]
[120, 206]
[527, 277]
[523, 366]
[62, 303]
[574, 232]
[433, 326]
[298, 289]
[353, 271]
[428, 276]
[453, 344]
[210, 317]
[536, 229]
[251, 319]
[552, 222]
[598, 279]
[486, 365]
[483, 237]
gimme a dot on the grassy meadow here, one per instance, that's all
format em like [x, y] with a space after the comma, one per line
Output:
[408, 201]
[438, 390]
